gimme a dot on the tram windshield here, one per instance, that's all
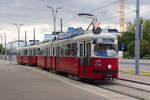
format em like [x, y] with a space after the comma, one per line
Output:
[105, 50]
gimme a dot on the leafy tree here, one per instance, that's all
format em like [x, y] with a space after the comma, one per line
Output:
[146, 30]
[144, 48]
[128, 38]
[1, 49]
[46, 41]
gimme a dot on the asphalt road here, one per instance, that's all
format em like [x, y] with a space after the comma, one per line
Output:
[20, 83]
[129, 66]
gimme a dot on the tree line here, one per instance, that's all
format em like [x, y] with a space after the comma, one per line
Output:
[128, 39]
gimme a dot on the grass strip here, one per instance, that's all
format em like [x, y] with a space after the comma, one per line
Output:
[133, 72]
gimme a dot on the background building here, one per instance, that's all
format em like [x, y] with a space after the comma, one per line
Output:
[48, 37]
[31, 42]
[14, 44]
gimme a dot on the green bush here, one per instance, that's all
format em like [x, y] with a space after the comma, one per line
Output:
[125, 54]
[144, 48]
[147, 56]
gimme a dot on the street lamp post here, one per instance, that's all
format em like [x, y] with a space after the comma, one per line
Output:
[18, 30]
[5, 48]
[137, 41]
[54, 12]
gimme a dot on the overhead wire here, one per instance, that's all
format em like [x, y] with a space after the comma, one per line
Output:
[105, 6]
[101, 7]
[128, 13]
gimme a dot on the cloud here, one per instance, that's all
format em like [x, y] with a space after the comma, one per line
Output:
[33, 13]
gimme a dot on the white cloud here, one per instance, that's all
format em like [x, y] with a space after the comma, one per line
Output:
[33, 13]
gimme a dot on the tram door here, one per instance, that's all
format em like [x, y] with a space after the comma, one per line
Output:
[57, 57]
[85, 53]
[82, 59]
[46, 57]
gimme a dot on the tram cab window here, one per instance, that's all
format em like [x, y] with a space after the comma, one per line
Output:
[105, 50]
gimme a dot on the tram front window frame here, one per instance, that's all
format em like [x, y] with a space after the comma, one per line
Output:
[105, 50]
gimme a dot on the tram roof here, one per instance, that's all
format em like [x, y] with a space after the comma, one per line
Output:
[87, 36]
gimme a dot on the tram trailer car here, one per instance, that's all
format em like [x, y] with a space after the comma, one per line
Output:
[32, 55]
[87, 56]
[44, 57]
[27, 55]
[19, 56]
[22, 56]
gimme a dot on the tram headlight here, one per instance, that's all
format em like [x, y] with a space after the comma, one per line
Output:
[109, 67]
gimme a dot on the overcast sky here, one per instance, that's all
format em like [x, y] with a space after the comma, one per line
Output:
[33, 13]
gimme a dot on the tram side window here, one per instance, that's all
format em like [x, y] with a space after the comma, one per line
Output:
[88, 49]
[74, 49]
[34, 52]
[25, 52]
[49, 51]
[81, 50]
[68, 50]
[38, 50]
[63, 50]
[57, 53]
[45, 51]
[81, 54]
[19, 53]
[22, 53]
[42, 52]
[29, 52]
[53, 51]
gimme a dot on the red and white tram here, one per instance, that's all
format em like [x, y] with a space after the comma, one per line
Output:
[91, 56]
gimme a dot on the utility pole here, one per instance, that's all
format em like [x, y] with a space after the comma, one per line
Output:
[25, 38]
[61, 27]
[34, 36]
[137, 41]
[54, 12]
[11, 51]
[18, 29]
[5, 48]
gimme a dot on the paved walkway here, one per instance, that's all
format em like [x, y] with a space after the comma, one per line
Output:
[136, 78]
[21, 83]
